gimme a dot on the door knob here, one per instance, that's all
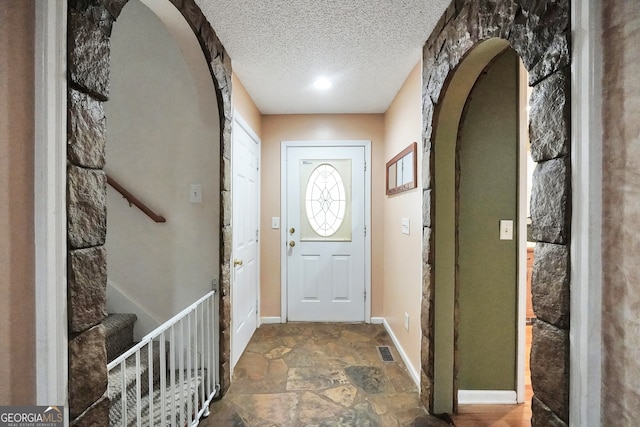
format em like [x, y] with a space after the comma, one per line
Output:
[292, 230]
[292, 244]
[237, 262]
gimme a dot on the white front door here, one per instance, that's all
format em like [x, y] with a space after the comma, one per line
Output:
[325, 233]
[244, 293]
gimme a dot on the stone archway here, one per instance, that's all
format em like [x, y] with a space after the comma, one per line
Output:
[89, 28]
[538, 31]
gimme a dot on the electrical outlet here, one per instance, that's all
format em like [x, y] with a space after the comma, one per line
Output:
[406, 321]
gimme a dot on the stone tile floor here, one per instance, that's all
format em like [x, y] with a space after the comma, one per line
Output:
[317, 374]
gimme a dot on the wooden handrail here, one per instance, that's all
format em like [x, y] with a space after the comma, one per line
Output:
[134, 200]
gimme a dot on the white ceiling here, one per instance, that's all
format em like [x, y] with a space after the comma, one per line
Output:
[366, 47]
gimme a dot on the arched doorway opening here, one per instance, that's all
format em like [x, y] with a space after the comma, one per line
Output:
[162, 140]
[473, 33]
[479, 167]
[89, 26]
[447, 221]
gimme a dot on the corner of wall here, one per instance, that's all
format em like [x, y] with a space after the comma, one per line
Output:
[402, 253]
[244, 104]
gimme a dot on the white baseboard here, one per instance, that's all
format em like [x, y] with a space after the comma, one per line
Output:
[412, 371]
[377, 320]
[271, 319]
[487, 397]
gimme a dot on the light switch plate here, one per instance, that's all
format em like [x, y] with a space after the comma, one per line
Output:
[275, 222]
[195, 193]
[405, 226]
[506, 229]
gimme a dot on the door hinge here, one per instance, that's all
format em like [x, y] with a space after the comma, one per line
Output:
[365, 166]
[365, 294]
[365, 231]
[257, 235]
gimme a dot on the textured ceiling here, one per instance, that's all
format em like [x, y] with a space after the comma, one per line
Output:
[366, 47]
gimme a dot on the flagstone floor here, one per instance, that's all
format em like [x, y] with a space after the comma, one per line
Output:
[316, 374]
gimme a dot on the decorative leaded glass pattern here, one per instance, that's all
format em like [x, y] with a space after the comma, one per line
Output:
[325, 200]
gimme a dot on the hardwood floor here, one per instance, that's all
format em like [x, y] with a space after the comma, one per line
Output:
[500, 415]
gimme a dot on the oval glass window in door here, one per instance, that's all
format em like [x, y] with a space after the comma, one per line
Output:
[325, 200]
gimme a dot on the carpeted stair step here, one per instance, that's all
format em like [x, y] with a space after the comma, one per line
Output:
[187, 390]
[119, 333]
[115, 375]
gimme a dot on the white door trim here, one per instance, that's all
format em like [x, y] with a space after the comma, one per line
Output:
[586, 243]
[50, 216]
[283, 213]
[521, 308]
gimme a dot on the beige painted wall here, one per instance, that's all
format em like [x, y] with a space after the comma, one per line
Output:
[162, 120]
[401, 291]
[244, 105]
[17, 314]
[278, 128]
[621, 213]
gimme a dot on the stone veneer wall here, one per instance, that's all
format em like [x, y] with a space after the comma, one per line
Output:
[621, 213]
[539, 31]
[89, 28]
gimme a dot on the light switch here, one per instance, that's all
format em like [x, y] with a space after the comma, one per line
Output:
[506, 229]
[405, 225]
[195, 193]
[275, 222]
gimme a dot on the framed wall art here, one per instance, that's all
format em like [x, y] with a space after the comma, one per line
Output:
[402, 170]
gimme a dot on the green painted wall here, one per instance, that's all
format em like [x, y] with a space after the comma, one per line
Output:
[487, 266]
[444, 195]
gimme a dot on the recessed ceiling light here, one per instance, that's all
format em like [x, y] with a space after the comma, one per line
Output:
[322, 84]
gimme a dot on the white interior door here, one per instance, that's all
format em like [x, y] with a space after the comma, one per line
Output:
[325, 229]
[244, 292]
